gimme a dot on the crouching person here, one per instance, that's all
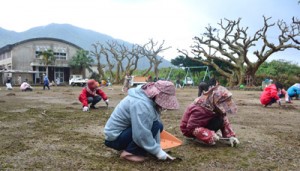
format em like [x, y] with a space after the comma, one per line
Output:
[272, 94]
[25, 86]
[207, 114]
[134, 126]
[293, 91]
[91, 94]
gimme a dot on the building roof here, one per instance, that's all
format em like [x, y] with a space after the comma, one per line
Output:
[10, 46]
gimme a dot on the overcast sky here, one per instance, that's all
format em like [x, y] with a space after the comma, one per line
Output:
[175, 21]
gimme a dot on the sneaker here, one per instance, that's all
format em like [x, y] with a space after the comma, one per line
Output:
[93, 107]
[131, 157]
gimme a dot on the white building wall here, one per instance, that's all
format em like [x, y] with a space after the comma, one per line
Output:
[25, 54]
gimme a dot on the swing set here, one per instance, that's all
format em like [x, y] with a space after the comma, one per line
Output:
[188, 79]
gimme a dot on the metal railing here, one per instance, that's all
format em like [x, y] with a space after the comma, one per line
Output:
[57, 63]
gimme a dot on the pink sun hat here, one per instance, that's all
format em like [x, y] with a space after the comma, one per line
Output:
[164, 93]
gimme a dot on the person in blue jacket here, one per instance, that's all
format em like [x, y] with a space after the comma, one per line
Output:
[294, 91]
[134, 126]
[46, 82]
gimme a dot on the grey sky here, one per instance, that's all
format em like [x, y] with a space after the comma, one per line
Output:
[175, 21]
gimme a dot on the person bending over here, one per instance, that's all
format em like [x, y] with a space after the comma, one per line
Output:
[293, 91]
[208, 114]
[25, 86]
[91, 94]
[272, 94]
[134, 126]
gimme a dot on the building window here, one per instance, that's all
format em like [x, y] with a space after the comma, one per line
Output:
[60, 55]
[38, 54]
[59, 74]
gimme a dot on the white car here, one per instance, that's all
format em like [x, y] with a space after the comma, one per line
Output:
[77, 80]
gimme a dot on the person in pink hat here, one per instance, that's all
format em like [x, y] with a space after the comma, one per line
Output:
[208, 114]
[134, 126]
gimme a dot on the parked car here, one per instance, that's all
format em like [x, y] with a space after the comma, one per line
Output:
[77, 80]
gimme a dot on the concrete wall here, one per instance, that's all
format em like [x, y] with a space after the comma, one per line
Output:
[6, 60]
[23, 55]
[24, 76]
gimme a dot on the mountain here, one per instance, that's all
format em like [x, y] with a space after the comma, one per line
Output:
[79, 36]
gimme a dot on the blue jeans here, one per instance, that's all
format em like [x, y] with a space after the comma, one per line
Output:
[272, 101]
[125, 142]
[94, 100]
[46, 85]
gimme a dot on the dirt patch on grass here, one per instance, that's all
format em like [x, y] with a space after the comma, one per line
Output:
[10, 94]
[18, 110]
[75, 103]
[48, 131]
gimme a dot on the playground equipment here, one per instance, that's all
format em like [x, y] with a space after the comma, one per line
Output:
[188, 79]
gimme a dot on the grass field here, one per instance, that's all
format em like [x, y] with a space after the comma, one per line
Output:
[46, 130]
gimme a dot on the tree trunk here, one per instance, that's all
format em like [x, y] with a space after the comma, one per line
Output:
[99, 68]
[231, 81]
[148, 70]
[240, 77]
[156, 71]
[101, 72]
[117, 77]
[47, 72]
[250, 72]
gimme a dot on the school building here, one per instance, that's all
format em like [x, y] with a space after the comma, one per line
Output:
[23, 60]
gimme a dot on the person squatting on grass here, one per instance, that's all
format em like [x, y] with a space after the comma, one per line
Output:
[272, 94]
[25, 86]
[91, 94]
[208, 114]
[134, 126]
[294, 91]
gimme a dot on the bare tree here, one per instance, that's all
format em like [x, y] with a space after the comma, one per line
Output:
[231, 45]
[118, 54]
[297, 24]
[110, 62]
[96, 52]
[124, 59]
[151, 51]
[133, 57]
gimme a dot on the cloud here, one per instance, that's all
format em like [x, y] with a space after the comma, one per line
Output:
[175, 21]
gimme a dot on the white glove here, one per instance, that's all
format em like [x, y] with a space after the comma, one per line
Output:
[234, 141]
[85, 109]
[216, 137]
[162, 155]
[106, 101]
